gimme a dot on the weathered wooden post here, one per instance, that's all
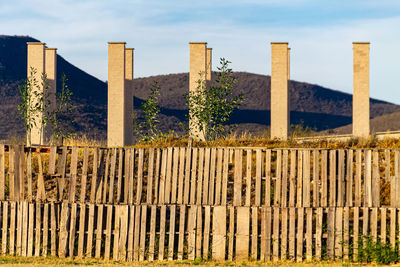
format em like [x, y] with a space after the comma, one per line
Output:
[361, 126]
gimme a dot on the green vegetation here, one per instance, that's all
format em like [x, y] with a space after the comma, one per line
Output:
[210, 108]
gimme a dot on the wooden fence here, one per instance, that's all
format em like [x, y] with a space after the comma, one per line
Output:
[185, 203]
[203, 176]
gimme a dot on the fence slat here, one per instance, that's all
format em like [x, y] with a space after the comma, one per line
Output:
[340, 179]
[242, 233]
[254, 232]
[188, 165]
[174, 177]
[284, 178]
[199, 231]
[168, 169]
[212, 176]
[224, 191]
[171, 238]
[89, 244]
[162, 233]
[375, 180]
[357, 182]
[72, 230]
[140, 178]
[4, 237]
[150, 177]
[143, 231]
[182, 211]
[249, 154]
[45, 229]
[193, 178]
[107, 246]
[181, 174]
[231, 232]
[339, 232]
[219, 233]
[152, 231]
[315, 178]
[306, 179]
[356, 223]
[284, 233]
[131, 231]
[278, 179]
[275, 235]
[346, 233]
[206, 175]
[318, 233]
[74, 171]
[332, 178]
[237, 187]
[300, 238]
[206, 233]
[99, 230]
[218, 180]
[112, 175]
[191, 230]
[84, 175]
[81, 238]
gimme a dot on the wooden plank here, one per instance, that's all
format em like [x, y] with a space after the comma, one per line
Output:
[53, 236]
[89, 244]
[157, 176]
[181, 175]
[81, 237]
[127, 158]
[62, 164]
[375, 180]
[346, 233]
[52, 160]
[258, 200]
[99, 230]
[306, 179]
[365, 224]
[4, 237]
[285, 178]
[357, 182]
[284, 234]
[383, 225]
[136, 234]
[93, 183]
[332, 178]
[112, 175]
[200, 177]
[41, 194]
[182, 215]
[106, 176]
[28, 173]
[368, 180]
[21, 228]
[62, 247]
[292, 179]
[123, 214]
[219, 233]
[339, 233]
[143, 224]
[84, 175]
[191, 229]
[107, 246]
[349, 178]
[276, 235]
[292, 233]
[331, 233]
[21, 174]
[249, 154]
[231, 232]
[374, 224]
[237, 186]
[199, 231]
[392, 227]
[206, 175]
[263, 233]
[324, 178]
[318, 234]
[300, 238]
[31, 211]
[174, 176]
[254, 233]
[163, 215]
[356, 222]
[315, 178]
[131, 176]
[2, 173]
[38, 228]
[11, 172]
[152, 232]
[74, 171]
[278, 179]
[206, 233]
[193, 178]
[268, 233]
[309, 233]
[161, 195]
[131, 232]
[340, 179]
[150, 177]
[225, 171]
[139, 187]
[167, 197]
[171, 238]
[72, 230]
[45, 229]
[394, 181]
[12, 227]
[188, 166]
[212, 176]
[218, 180]
[243, 232]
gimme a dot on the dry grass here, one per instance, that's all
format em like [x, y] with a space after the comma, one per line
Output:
[52, 261]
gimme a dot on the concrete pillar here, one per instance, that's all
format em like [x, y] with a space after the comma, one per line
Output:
[288, 64]
[129, 95]
[116, 115]
[51, 73]
[36, 61]
[361, 89]
[209, 64]
[279, 91]
[198, 70]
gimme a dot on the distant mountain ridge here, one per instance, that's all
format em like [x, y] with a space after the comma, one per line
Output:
[312, 105]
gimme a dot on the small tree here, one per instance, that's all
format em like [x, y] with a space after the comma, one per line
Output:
[147, 129]
[210, 109]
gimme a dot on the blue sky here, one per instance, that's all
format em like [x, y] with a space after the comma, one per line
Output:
[320, 34]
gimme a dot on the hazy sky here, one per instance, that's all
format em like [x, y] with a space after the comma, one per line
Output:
[320, 34]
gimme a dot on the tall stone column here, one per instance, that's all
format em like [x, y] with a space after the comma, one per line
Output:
[288, 63]
[198, 71]
[35, 70]
[209, 64]
[279, 91]
[129, 52]
[51, 74]
[116, 116]
[361, 89]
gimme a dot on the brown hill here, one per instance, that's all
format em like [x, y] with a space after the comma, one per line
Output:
[312, 105]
